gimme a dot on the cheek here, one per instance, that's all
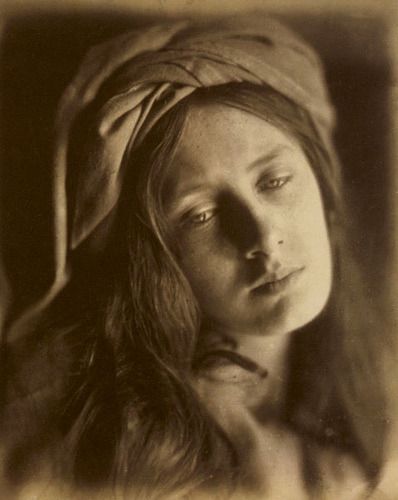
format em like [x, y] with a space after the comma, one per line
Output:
[310, 220]
[307, 238]
[314, 238]
[191, 257]
[313, 231]
[206, 262]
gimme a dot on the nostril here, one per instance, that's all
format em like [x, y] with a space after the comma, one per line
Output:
[255, 254]
[262, 252]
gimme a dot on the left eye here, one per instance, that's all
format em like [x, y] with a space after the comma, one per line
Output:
[273, 182]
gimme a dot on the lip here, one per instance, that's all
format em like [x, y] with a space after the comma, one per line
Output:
[277, 282]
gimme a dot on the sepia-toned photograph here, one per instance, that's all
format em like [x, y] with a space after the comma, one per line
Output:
[198, 250]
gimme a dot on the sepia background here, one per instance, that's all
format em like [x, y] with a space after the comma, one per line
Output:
[43, 41]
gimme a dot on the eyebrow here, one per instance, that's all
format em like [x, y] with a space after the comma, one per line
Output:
[268, 157]
[191, 191]
[183, 197]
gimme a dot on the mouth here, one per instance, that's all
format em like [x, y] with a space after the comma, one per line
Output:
[274, 284]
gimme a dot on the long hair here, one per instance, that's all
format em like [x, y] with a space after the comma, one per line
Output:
[130, 395]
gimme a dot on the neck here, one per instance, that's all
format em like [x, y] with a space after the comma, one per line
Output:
[267, 351]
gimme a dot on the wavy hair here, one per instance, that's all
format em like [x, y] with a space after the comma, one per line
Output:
[131, 414]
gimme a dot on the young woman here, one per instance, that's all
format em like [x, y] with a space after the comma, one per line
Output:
[210, 340]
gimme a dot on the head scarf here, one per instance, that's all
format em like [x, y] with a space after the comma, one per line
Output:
[125, 85]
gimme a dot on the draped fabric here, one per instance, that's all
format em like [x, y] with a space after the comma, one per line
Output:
[132, 81]
[125, 85]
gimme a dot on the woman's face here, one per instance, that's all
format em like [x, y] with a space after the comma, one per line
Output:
[246, 215]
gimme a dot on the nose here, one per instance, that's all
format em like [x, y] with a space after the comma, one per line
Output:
[253, 228]
[263, 233]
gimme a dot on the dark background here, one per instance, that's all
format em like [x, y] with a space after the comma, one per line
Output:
[39, 54]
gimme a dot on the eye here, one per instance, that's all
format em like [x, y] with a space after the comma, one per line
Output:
[201, 218]
[270, 183]
[198, 217]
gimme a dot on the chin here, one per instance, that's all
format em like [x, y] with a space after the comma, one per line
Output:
[301, 315]
[289, 315]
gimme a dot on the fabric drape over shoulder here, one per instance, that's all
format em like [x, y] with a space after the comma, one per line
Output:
[125, 85]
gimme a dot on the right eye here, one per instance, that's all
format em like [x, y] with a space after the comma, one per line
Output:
[201, 217]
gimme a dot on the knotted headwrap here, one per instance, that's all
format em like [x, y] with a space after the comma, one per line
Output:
[125, 85]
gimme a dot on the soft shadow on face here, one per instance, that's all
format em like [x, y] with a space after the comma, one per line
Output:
[238, 229]
[247, 219]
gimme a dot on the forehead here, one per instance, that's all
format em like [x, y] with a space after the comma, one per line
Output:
[212, 126]
[219, 140]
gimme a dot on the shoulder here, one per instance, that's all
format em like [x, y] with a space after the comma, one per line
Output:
[275, 462]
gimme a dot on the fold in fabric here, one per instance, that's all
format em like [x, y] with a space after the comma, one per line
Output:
[132, 81]
[125, 85]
